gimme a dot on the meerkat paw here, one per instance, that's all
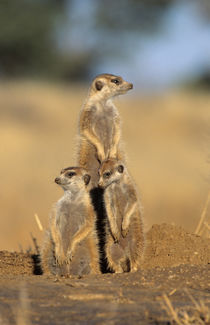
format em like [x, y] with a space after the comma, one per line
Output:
[101, 156]
[112, 153]
[59, 256]
[69, 256]
[97, 158]
[60, 260]
[124, 232]
[116, 237]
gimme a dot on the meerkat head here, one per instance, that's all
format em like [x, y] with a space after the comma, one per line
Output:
[107, 86]
[111, 171]
[72, 178]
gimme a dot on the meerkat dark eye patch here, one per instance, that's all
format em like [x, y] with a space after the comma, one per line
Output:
[107, 175]
[70, 174]
[116, 81]
[99, 85]
[120, 169]
[86, 179]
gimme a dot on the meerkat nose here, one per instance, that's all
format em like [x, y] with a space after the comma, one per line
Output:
[130, 86]
[57, 180]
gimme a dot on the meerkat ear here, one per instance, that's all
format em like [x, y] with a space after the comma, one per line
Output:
[120, 169]
[86, 179]
[99, 85]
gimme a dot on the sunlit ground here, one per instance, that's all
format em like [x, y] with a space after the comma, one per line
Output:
[166, 138]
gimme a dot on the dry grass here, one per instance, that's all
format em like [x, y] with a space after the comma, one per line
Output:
[203, 228]
[39, 224]
[166, 139]
[197, 314]
[201, 225]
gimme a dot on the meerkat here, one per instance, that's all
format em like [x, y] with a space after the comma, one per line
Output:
[71, 245]
[124, 230]
[100, 125]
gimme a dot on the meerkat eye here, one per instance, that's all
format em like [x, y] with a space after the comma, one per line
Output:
[107, 175]
[116, 81]
[86, 179]
[120, 169]
[70, 174]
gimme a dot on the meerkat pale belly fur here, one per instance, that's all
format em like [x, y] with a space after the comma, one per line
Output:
[71, 245]
[99, 124]
[124, 230]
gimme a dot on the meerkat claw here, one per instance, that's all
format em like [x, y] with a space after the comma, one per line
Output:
[116, 237]
[124, 232]
[69, 256]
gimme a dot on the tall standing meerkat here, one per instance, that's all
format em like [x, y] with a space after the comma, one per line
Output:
[99, 124]
[71, 246]
[124, 231]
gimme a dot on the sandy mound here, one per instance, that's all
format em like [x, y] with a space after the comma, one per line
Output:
[16, 263]
[167, 246]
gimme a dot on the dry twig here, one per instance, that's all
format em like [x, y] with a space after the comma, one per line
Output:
[203, 215]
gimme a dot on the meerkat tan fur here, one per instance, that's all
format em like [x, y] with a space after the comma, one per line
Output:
[99, 124]
[124, 232]
[71, 245]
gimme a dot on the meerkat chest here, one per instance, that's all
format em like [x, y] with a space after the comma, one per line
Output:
[105, 117]
[71, 215]
[119, 200]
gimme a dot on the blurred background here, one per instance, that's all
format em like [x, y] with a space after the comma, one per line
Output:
[50, 50]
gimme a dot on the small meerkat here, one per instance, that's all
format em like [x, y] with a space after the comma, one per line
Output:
[124, 230]
[71, 245]
[99, 124]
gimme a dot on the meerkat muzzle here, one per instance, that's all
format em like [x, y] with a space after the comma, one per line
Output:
[57, 180]
[100, 184]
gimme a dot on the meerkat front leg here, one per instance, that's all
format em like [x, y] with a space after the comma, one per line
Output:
[96, 142]
[115, 139]
[56, 236]
[127, 218]
[92, 138]
[83, 232]
[115, 232]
